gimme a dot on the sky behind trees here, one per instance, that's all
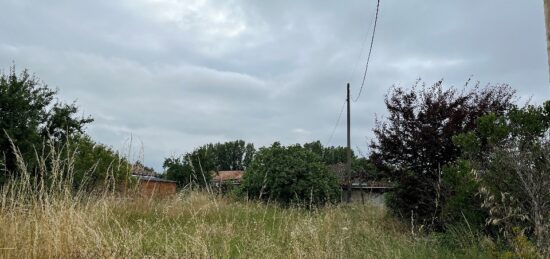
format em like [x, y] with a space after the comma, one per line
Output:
[179, 74]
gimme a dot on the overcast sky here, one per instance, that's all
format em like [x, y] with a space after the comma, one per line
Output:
[178, 74]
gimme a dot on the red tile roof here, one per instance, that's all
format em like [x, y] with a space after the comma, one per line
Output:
[228, 176]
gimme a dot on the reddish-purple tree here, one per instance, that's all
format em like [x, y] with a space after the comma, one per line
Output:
[414, 142]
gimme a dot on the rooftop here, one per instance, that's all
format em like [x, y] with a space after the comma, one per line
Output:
[149, 178]
[228, 175]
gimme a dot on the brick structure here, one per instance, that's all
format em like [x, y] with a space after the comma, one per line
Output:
[149, 186]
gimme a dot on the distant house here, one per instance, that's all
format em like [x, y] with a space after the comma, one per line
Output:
[140, 169]
[227, 178]
[223, 181]
[360, 185]
[149, 186]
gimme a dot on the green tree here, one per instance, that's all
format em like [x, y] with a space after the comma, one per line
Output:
[510, 157]
[179, 170]
[290, 175]
[29, 116]
[362, 168]
[60, 123]
[96, 165]
[329, 155]
[197, 167]
[232, 155]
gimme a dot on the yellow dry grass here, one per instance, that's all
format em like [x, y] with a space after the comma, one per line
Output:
[46, 218]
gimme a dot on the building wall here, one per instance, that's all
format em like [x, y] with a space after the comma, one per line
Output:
[160, 189]
[365, 196]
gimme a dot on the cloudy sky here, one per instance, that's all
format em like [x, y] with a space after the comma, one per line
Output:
[173, 75]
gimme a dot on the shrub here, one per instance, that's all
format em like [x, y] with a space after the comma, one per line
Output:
[463, 204]
[95, 165]
[290, 175]
[510, 155]
[415, 143]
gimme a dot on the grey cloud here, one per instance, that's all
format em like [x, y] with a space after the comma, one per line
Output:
[178, 74]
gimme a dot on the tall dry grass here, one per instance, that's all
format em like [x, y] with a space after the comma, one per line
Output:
[44, 217]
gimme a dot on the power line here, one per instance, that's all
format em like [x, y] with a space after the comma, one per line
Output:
[337, 123]
[363, 44]
[364, 75]
[370, 50]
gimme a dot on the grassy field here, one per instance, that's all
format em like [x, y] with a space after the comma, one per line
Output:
[47, 218]
[196, 224]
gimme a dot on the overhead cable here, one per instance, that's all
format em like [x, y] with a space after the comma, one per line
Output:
[370, 51]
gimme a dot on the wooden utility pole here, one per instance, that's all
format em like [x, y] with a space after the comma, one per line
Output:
[547, 22]
[348, 166]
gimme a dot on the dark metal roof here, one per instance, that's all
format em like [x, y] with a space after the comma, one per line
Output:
[149, 178]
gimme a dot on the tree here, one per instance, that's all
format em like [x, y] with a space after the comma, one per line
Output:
[60, 124]
[510, 157]
[179, 170]
[364, 169]
[232, 155]
[329, 155]
[414, 143]
[96, 165]
[29, 116]
[197, 167]
[290, 175]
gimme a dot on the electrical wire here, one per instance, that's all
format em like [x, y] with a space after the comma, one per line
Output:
[363, 45]
[370, 50]
[336, 125]
[364, 75]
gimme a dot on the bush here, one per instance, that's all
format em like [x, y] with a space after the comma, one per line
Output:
[415, 143]
[463, 204]
[290, 175]
[96, 165]
[510, 156]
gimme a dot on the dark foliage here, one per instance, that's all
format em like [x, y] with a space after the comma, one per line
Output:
[415, 142]
[290, 175]
[462, 202]
[363, 169]
[29, 116]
